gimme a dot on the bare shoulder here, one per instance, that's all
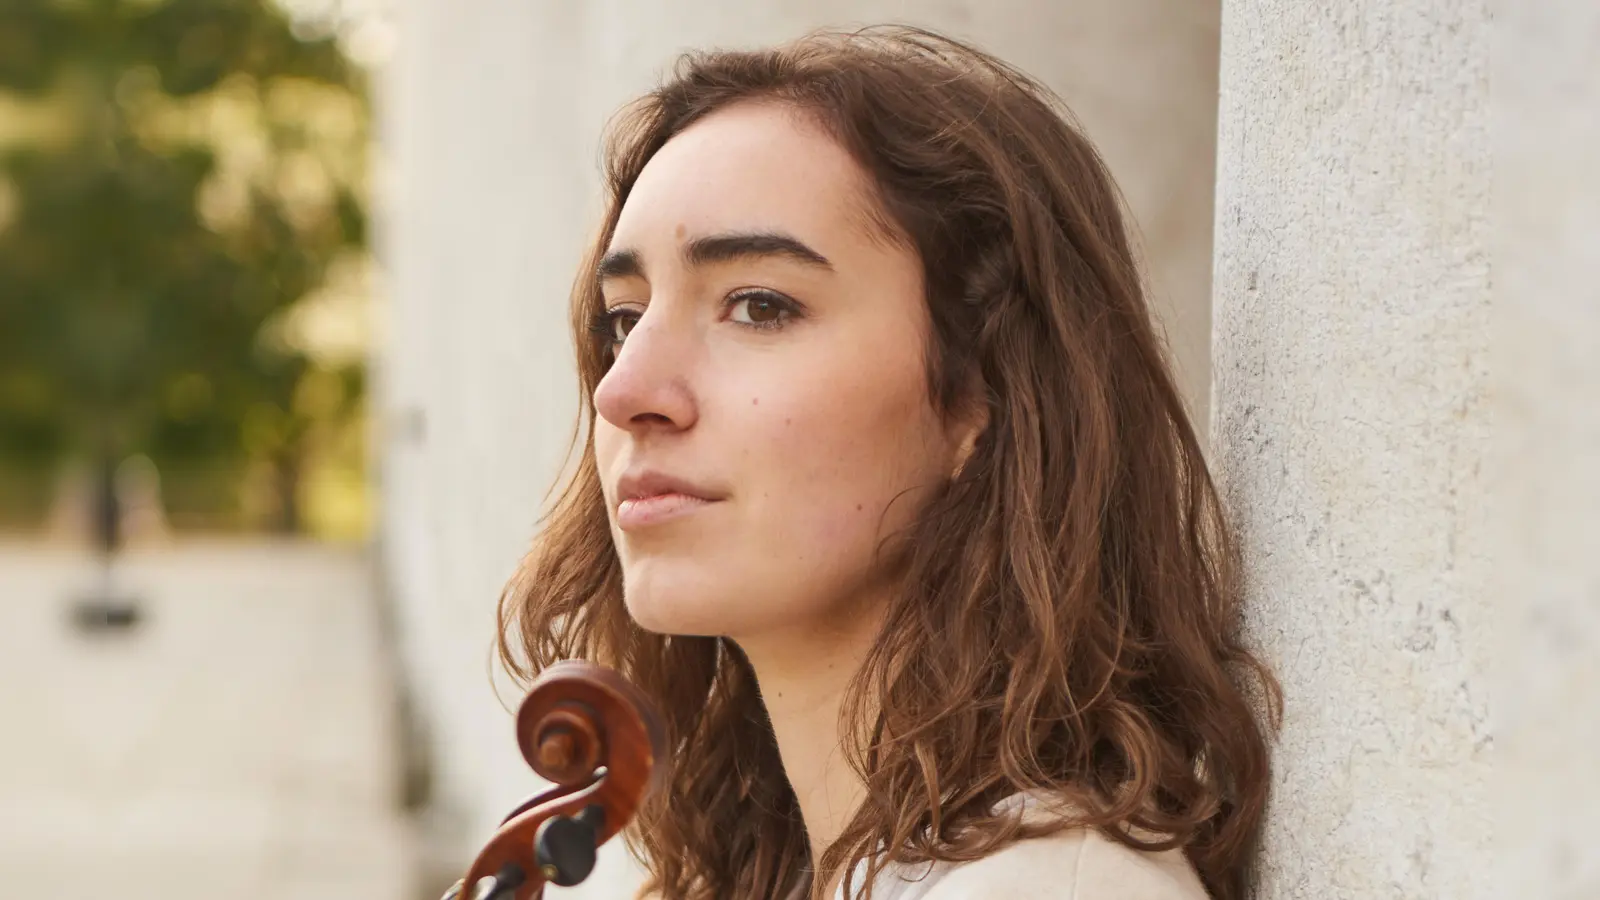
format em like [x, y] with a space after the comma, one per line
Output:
[1076, 864]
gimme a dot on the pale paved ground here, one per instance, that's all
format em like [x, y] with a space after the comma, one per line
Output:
[237, 746]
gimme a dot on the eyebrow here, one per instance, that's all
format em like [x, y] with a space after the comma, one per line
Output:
[720, 248]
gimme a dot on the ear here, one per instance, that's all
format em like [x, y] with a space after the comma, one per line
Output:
[966, 427]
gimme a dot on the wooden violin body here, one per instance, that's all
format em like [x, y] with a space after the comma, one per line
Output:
[597, 739]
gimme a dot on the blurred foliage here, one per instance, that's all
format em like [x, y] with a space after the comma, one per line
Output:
[178, 180]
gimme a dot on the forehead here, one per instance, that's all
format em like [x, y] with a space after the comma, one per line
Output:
[750, 167]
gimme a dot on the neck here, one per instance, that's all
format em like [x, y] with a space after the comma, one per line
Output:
[803, 676]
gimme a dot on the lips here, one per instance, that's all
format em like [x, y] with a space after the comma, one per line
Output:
[647, 498]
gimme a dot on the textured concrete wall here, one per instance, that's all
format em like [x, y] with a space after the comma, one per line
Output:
[1351, 424]
[1547, 370]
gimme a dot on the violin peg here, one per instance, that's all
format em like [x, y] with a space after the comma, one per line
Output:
[565, 846]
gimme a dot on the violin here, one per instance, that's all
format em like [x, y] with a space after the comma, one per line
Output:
[600, 743]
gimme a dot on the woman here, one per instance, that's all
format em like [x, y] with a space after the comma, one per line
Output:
[889, 501]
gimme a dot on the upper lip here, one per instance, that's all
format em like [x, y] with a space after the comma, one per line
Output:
[644, 483]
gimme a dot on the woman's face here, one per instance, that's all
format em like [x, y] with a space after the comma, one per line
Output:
[765, 423]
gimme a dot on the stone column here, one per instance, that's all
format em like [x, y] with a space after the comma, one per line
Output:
[1351, 328]
[1547, 372]
[484, 211]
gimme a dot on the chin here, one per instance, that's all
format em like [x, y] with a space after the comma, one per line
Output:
[675, 615]
[663, 604]
[679, 598]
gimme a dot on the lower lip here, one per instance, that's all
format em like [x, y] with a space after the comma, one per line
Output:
[647, 511]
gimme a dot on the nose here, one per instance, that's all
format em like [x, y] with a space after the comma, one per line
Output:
[647, 387]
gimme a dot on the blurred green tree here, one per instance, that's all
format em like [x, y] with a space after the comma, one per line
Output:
[157, 230]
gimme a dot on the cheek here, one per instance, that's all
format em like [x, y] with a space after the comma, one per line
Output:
[839, 462]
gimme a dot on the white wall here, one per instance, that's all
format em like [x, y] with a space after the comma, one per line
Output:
[1547, 373]
[486, 190]
[491, 113]
[1351, 430]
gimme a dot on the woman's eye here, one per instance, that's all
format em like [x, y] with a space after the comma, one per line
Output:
[760, 309]
[614, 324]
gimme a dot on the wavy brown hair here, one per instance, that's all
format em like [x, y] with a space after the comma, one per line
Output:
[1067, 624]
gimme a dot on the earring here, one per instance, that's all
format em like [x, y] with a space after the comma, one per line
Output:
[963, 456]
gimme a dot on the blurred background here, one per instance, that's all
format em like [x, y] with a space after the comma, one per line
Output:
[186, 265]
[196, 694]
[285, 377]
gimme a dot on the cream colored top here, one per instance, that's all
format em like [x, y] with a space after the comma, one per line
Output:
[1074, 864]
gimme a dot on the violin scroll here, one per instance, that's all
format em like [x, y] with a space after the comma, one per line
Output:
[599, 742]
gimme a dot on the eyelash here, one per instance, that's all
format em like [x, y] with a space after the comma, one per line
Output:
[604, 323]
